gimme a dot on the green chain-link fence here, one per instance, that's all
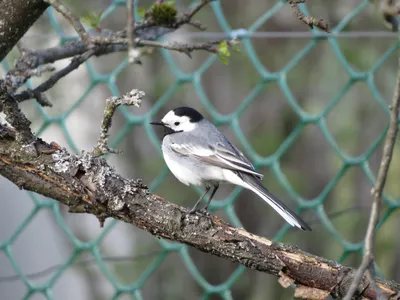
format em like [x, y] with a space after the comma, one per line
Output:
[273, 162]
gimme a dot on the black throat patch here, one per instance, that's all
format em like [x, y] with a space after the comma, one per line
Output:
[168, 131]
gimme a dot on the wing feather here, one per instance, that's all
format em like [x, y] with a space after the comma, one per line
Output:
[220, 156]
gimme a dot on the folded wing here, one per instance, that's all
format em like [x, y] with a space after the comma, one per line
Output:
[220, 156]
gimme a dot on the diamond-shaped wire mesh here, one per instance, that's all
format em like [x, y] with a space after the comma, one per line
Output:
[311, 113]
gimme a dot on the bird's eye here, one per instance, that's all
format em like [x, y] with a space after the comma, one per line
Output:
[177, 123]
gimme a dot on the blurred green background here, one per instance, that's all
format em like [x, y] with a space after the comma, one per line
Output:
[309, 110]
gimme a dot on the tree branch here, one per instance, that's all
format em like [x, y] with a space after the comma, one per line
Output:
[49, 83]
[184, 48]
[310, 21]
[17, 16]
[101, 46]
[73, 20]
[141, 34]
[32, 60]
[132, 53]
[87, 184]
[15, 117]
[187, 17]
[368, 258]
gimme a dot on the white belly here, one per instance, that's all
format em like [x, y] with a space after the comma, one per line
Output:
[181, 172]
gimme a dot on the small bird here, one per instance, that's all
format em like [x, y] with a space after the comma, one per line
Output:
[197, 153]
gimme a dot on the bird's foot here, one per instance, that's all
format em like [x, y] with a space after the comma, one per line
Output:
[204, 212]
[187, 213]
[200, 212]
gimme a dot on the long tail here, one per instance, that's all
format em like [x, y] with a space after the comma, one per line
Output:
[256, 186]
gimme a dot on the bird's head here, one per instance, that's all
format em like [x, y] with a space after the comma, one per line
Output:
[180, 119]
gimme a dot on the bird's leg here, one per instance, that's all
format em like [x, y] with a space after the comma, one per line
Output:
[196, 206]
[211, 196]
[205, 209]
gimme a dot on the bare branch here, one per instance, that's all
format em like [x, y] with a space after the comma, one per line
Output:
[197, 24]
[36, 94]
[101, 45]
[15, 117]
[137, 34]
[186, 18]
[134, 98]
[310, 21]
[31, 60]
[19, 76]
[17, 16]
[368, 258]
[49, 83]
[132, 54]
[184, 48]
[74, 21]
[88, 184]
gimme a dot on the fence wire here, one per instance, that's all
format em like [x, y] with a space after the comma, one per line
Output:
[272, 162]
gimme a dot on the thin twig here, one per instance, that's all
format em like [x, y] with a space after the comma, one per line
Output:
[132, 52]
[19, 76]
[197, 24]
[368, 258]
[49, 83]
[184, 48]
[310, 21]
[187, 17]
[34, 59]
[134, 98]
[76, 24]
[145, 32]
[112, 44]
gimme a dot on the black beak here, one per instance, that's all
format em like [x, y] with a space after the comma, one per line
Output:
[157, 123]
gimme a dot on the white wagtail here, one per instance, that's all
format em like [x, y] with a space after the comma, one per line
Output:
[197, 153]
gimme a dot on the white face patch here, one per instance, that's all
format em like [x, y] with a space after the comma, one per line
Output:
[178, 123]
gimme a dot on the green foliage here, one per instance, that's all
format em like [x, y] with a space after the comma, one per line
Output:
[223, 50]
[93, 19]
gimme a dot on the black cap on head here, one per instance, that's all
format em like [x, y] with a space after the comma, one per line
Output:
[193, 114]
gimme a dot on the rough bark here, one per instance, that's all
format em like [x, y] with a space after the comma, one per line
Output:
[16, 17]
[89, 185]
